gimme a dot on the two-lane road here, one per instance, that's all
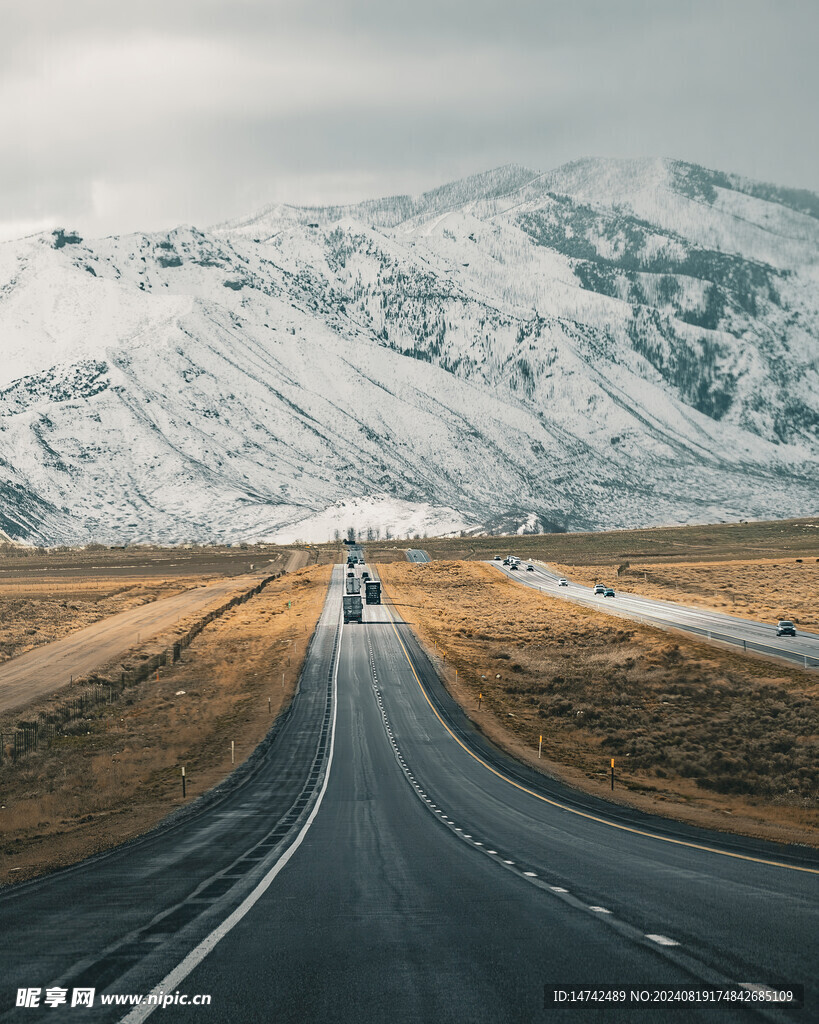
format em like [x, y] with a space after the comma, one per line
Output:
[758, 637]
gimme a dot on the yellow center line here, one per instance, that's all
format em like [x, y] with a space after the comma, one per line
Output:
[585, 814]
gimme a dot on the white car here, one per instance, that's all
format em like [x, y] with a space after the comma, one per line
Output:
[562, 582]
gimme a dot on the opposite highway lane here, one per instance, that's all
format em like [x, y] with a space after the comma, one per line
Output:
[753, 636]
[431, 886]
[416, 555]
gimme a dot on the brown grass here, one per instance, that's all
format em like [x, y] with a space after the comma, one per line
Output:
[34, 612]
[696, 733]
[763, 590]
[788, 538]
[117, 773]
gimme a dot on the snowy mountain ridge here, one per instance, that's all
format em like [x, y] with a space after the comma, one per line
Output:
[614, 343]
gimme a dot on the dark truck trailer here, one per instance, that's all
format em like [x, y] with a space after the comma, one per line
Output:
[353, 585]
[352, 608]
[372, 589]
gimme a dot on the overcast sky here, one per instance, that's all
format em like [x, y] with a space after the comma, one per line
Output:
[118, 117]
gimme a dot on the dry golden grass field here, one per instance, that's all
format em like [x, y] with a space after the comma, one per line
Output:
[116, 772]
[697, 733]
[766, 590]
[35, 611]
[788, 538]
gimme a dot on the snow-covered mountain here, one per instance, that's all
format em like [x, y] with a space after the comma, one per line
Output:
[614, 343]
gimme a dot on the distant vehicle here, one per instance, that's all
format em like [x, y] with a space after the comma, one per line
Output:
[353, 585]
[365, 575]
[562, 582]
[530, 568]
[497, 558]
[507, 561]
[372, 590]
[514, 566]
[599, 588]
[353, 608]
[608, 592]
[350, 574]
[785, 628]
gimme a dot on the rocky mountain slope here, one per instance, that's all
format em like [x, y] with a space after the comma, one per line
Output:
[609, 344]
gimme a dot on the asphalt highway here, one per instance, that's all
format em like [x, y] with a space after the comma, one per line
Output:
[758, 637]
[117, 920]
[427, 877]
[416, 555]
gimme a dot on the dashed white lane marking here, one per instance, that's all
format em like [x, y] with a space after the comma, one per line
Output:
[660, 940]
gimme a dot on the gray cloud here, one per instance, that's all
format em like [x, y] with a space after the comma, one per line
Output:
[116, 118]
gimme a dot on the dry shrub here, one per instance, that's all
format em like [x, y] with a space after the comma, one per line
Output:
[666, 708]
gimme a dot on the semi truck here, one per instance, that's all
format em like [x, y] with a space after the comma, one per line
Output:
[372, 590]
[352, 608]
[353, 585]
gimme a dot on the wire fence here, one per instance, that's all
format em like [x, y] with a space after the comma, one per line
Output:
[41, 731]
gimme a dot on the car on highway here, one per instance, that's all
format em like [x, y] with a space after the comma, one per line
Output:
[599, 588]
[497, 558]
[562, 582]
[785, 628]
[609, 592]
[514, 566]
[365, 575]
[506, 561]
[530, 568]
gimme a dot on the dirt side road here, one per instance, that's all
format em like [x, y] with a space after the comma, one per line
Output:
[296, 560]
[48, 668]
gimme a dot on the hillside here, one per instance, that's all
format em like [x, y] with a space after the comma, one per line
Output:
[610, 344]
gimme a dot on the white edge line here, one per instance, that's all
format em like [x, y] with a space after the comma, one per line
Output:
[198, 954]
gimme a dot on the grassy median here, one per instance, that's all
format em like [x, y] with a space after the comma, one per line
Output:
[116, 772]
[697, 733]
